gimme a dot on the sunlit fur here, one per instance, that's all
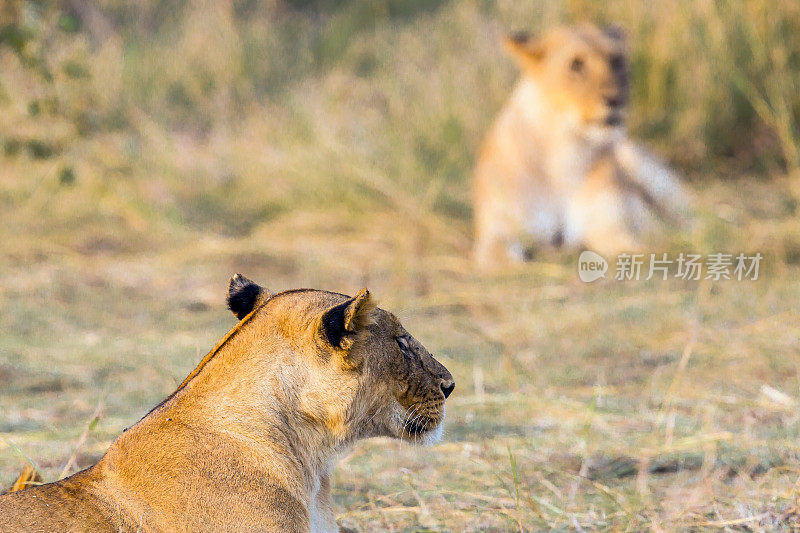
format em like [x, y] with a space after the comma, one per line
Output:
[247, 442]
[556, 168]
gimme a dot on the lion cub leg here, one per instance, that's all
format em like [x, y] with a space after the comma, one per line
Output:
[598, 215]
[496, 249]
[495, 240]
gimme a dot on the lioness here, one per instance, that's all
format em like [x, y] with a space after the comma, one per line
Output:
[556, 168]
[247, 441]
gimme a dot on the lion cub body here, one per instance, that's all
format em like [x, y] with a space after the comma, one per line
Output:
[556, 168]
[247, 441]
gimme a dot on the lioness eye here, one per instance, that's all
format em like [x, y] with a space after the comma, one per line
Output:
[617, 63]
[576, 65]
[402, 342]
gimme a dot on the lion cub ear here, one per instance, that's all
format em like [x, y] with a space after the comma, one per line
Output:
[244, 295]
[616, 32]
[341, 321]
[524, 48]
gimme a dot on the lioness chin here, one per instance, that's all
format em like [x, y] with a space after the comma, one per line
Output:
[247, 441]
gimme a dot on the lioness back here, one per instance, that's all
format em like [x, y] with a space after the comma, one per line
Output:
[556, 168]
[70, 507]
[247, 442]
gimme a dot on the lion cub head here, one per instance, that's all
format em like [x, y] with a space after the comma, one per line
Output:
[349, 368]
[582, 73]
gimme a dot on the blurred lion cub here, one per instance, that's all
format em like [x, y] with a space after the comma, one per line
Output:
[556, 168]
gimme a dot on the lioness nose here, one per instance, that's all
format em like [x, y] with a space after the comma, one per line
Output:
[447, 387]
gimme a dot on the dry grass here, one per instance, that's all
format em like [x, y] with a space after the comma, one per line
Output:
[612, 422]
[138, 173]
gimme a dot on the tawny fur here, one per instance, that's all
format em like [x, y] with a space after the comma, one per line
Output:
[247, 441]
[556, 168]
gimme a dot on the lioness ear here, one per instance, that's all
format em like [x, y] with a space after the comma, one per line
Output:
[341, 321]
[616, 32]
[523, 47]
[244, 295]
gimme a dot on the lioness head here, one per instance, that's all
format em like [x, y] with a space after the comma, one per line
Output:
[582, 72]
[349, 367]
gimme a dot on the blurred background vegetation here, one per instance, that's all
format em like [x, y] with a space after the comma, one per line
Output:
[219, 114]
[150, 149]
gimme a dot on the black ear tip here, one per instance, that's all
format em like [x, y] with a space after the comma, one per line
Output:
[242, 295]
[237, 281]
[519, 37]
[616, 31]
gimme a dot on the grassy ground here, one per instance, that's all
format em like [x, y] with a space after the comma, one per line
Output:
[137, 174]
[598, 406]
